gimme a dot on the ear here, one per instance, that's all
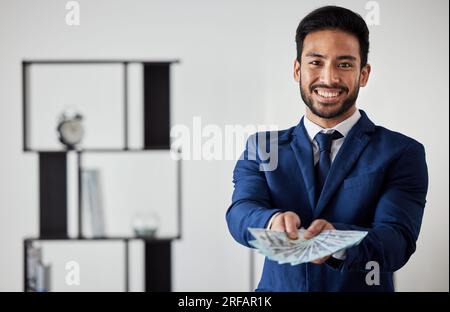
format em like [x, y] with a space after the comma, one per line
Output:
[297, 70]
[365, 73]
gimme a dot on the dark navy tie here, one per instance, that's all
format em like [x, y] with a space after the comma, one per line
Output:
[324, 140]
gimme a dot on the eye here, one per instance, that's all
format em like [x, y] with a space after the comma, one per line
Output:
[315, 63]
[345, 65]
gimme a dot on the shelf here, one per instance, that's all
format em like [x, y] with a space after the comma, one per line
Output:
[157, 259]
[53, 159]
[101, 61]
[122, 238]
[155, 75]
[103, 150]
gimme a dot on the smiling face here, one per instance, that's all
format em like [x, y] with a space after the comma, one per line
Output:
[330, 73]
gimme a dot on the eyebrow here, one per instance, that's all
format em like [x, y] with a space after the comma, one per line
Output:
[346, 57]
[341, 57]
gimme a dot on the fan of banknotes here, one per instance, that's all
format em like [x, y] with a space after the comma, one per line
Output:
[277, 246]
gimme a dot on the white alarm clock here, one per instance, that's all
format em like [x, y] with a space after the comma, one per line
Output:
[70, 129]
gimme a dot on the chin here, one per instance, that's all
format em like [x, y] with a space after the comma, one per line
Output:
[327, 110]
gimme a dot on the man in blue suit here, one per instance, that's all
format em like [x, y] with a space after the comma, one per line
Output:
[335, 170]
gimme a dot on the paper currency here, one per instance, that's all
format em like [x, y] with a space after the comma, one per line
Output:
[277, 246]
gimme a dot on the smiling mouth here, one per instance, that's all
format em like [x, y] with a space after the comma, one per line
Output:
[328, 95]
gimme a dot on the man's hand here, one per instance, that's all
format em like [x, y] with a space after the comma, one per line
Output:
[288, 222]
[316, 228]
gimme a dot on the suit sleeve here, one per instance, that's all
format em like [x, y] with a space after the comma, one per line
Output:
[398, 216]
[251, 201]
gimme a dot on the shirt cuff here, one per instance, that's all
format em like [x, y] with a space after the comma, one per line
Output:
[340, 255]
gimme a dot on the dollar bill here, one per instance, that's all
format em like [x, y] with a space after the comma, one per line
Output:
[277, 246]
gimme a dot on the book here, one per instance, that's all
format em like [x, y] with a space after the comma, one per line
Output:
[92, 204]
[33, 258]
[43, 277]
[38, 273]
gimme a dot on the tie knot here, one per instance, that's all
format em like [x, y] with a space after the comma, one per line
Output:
[324, 140]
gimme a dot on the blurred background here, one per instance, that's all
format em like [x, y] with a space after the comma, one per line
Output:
[236, 63]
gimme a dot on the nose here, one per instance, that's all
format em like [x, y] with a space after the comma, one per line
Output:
[329, 75]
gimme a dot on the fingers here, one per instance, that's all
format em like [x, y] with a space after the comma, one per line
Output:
[292, 222]
[288, 222]
[316, 227]
[278, 224]
[321, 260]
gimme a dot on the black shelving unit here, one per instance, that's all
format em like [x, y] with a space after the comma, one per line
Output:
[158, 270]
[53, 170]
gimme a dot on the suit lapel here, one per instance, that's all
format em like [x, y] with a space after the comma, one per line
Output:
[354, 144]
[302, 148]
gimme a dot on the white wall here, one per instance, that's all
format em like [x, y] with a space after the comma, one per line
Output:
[236, 69]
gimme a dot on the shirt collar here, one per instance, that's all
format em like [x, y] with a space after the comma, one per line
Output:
[343, 127]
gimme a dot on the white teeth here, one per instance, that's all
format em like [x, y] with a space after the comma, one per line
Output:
[327, 94]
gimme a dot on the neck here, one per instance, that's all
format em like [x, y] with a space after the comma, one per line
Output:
[329, 122]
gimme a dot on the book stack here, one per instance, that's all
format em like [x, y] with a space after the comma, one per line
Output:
[38, 277]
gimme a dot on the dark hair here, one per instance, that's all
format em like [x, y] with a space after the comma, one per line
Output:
[334, 17]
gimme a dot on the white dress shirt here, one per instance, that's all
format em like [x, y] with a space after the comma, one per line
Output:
[312, 129]
[343, 127]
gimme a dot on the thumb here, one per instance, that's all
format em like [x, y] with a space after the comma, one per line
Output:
[292, 222]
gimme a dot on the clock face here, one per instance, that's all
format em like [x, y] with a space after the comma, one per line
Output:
[71, 132]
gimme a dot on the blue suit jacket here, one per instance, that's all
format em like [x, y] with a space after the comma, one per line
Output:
[377, 183]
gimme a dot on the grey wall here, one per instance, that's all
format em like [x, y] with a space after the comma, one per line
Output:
[236, 69]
